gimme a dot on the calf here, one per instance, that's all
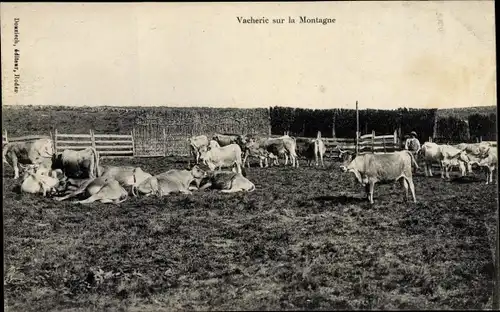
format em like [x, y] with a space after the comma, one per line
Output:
[36, 183]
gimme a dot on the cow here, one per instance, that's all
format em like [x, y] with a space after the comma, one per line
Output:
[253, 150]
[372, 168]
[126, 176]
[445, 155]
[36, 183]
[312, 149]
[107, 190]
[487, 158]
[172, 181]
[473, 151]
[226, 139]
[284, 145]
[197, 144]
[227, 182]
[38, 151]
[78, 164]
[490, 161]
[226, 156]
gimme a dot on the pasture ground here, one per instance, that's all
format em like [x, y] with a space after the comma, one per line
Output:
[303, 240]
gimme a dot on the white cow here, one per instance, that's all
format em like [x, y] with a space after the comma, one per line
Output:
[226, 156]
[446, 156]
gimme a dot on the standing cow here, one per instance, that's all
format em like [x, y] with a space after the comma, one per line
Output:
[383, 168]
[226, 156]
[78, 164]
[197, 145]
[38, 152]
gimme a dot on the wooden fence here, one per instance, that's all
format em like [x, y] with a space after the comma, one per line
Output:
[107, 145]
[6, 139]
[366, 143]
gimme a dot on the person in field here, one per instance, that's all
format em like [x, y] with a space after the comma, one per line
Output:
[412, 144]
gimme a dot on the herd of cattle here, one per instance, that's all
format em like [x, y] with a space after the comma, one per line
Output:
[73, 173]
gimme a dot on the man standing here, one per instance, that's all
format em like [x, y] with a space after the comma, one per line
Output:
[412, 144]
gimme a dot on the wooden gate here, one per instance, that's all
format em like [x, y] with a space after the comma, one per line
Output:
[149, 140]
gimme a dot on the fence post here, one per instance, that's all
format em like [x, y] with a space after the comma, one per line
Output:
[55, 141]
[395, 139]
[92, 138]
[133, 142]
[430, 139]
[164, 142]
[383, 144]
[333, 124]
[6, 138]
[373, 141]
[480, 139]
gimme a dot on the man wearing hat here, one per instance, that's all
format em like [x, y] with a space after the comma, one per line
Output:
[412, 144]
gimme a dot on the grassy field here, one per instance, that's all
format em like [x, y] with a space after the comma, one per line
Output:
[303, 240]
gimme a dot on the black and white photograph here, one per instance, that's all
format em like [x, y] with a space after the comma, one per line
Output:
[246, 156]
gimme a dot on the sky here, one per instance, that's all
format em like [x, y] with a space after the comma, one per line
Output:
[381, 54]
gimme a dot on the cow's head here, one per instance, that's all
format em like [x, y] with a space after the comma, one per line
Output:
[148, 187]
[198, 173]
[346, 158]
[140, 176]
[213, 144]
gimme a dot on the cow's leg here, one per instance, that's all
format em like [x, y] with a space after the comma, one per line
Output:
[372, 188]
[15, 165]
[404, 185]
[89, 200]
[232, 190]
[367, 191]
[463, 171]
[186, 192]
[442, 169]
[412, 189]
[238, 167]
[286, 159]
[321, 159]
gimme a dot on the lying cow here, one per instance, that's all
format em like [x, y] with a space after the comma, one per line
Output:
[126, 176]
[227, 182]
[106, 190]
[38, 151]
[383, 168]
[36, 183]
[172, 181]
[223, 157]
[198, 144]
[78, 164]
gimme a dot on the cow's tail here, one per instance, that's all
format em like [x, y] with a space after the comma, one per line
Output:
[414, 162]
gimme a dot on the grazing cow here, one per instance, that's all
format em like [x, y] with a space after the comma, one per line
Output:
[284, 145]
[78, 164]
[446, 156]
[172, 181]
[227, 182]
[383, 168]
[126, 176]
[36, 183]
[106, 190]
[226, 156]
[38, 151]
[198, 144]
